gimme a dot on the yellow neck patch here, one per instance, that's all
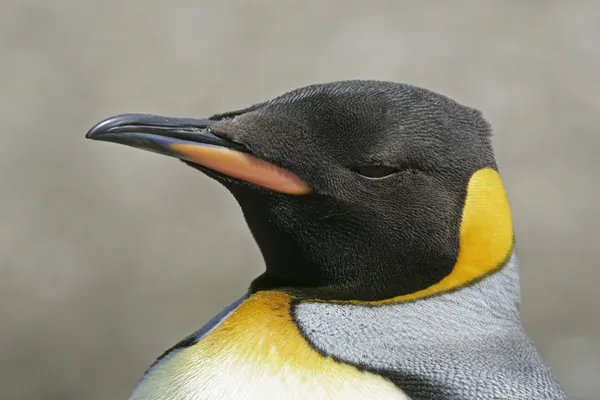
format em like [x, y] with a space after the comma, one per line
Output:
[258, 353]
[486, 237]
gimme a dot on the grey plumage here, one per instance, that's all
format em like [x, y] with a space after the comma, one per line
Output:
[465, 344]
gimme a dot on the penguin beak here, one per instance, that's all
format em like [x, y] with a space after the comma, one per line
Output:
[191, 140]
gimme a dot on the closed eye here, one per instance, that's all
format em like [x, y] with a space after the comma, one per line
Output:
[375, 171]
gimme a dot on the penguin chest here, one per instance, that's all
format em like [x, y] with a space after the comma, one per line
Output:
[257, 352]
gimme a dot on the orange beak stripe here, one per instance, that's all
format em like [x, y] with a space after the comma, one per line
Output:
[242, 166]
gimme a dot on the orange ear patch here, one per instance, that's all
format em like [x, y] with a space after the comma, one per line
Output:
[486, 237]
[242, 166]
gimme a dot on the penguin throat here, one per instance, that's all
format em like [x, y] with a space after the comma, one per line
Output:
[485, 243]
[486, 238]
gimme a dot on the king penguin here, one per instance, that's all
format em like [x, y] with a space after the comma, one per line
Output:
[390, 265]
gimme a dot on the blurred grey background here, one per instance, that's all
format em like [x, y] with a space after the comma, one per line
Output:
[109, 255]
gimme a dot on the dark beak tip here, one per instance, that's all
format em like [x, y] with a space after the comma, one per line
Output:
[106, 124]
[95, 131]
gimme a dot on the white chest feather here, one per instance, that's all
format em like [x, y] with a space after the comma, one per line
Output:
[231, 379]
[257, 353]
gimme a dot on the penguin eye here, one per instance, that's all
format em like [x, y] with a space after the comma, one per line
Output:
[376, 171]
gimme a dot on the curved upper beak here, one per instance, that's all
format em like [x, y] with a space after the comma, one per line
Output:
[191, 140]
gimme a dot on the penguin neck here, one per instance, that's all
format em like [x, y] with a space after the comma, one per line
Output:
[492, 299]
[472, 334]
[344, 262]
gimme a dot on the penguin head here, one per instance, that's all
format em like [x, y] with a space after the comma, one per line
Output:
[355, 190]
